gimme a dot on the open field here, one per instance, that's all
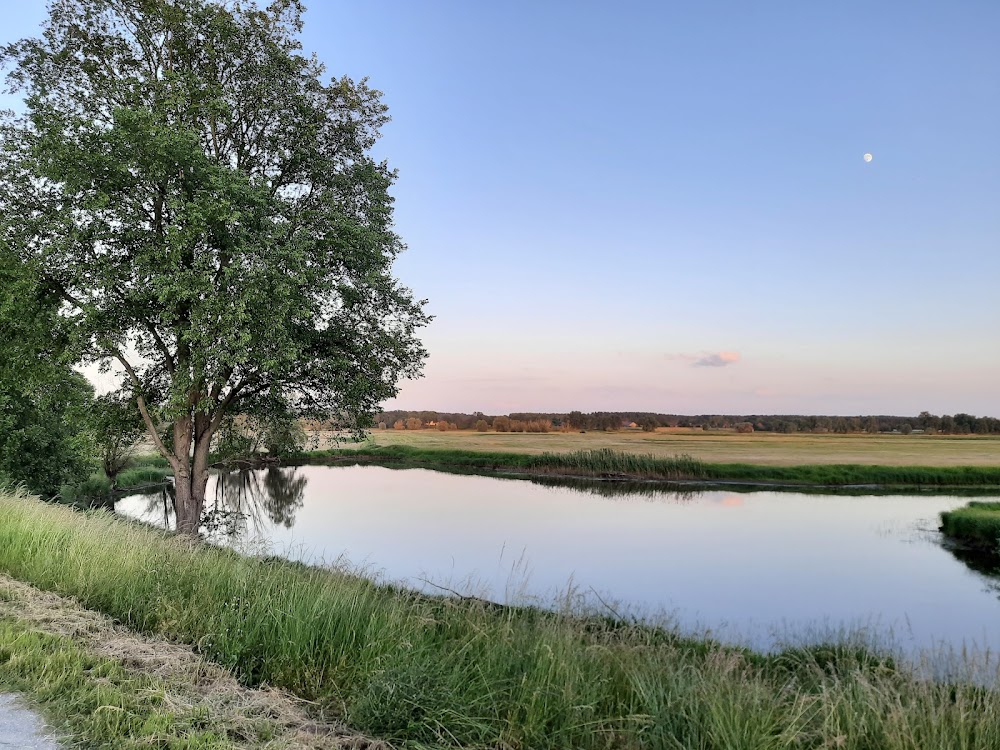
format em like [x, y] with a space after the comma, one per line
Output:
[723, 447]
[427, 672]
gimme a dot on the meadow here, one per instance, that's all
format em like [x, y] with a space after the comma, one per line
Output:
[425, 672]
[719, 446]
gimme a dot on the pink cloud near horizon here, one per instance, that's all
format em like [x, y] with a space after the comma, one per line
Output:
[717, 359]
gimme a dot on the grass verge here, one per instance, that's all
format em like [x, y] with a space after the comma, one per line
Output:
[977, 525]
[614, 464]
[109, 688]
[435, 672]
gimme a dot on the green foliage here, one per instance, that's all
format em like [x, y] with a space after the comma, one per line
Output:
[195, 192]
[44, 437]
[425, 671]
[117, 428]
[279, 434]
[234, 441]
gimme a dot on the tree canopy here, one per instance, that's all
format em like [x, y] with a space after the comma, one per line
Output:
[207, 209]
[43, 403]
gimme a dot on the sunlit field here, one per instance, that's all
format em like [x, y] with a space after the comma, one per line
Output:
[719, 446]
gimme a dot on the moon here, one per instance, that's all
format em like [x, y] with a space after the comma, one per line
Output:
[868, 157]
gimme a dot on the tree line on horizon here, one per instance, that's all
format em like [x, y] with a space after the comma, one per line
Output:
[957, 424]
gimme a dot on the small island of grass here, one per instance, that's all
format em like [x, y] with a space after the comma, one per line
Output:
[976, 525]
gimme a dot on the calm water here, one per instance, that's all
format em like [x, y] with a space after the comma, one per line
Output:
[758, 568]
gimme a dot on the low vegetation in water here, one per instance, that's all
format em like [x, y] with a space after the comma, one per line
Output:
[977, 524]
[141, 472]
[447, 672]
[609, 463]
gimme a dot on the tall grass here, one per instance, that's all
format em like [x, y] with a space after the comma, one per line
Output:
[465, 673]
[609, 463]
[977, 524]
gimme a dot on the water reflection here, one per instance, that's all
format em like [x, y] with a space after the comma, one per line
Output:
[239, 502]
[986, 564]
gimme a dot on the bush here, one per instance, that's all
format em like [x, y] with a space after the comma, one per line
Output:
[482, 425]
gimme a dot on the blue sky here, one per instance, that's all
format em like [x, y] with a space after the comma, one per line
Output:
[664, 206]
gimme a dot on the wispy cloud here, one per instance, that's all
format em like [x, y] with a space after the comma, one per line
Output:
[717, 359]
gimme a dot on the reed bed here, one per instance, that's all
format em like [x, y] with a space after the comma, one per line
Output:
[615, 464]
[459, 672]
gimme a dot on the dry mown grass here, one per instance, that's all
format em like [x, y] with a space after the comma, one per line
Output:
[190, 684]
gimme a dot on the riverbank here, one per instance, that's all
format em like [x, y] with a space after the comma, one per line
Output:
[446, 672]
[608, 464]
[146, 471]
[100, 685]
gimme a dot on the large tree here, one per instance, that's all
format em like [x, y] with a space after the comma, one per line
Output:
[207, 208]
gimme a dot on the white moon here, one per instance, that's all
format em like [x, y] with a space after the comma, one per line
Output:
[868, 157]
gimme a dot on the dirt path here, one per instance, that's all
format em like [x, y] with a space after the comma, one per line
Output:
[194, 684]
[22, 729]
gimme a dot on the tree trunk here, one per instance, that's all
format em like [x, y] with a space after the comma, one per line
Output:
[195, 477]
[186, 505]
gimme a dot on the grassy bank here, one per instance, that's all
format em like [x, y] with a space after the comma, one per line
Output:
[102, 686]
[434, 672]
[143, 471]
[608, 463]
[977, 524]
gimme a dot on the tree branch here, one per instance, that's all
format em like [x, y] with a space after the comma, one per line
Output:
[141, 401]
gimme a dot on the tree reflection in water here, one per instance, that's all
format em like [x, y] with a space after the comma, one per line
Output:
[242, 500]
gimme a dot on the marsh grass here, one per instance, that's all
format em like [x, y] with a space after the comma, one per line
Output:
[427, 671]
[977, 524]
[615, 464]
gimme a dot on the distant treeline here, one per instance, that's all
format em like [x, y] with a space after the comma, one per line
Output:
[957, 424]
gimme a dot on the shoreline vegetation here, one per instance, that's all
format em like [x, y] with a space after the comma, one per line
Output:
[614, 465]
[151, 471]
[976, 526]
[426, 671]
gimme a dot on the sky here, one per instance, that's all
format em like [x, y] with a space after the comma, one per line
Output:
[664, 206]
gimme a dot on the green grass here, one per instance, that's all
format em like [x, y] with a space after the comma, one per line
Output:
[142, 471]
[977, 524]
[614, 464]
[433, 672]
[95, 701]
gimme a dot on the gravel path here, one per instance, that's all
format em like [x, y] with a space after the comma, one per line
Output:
[21, 728]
